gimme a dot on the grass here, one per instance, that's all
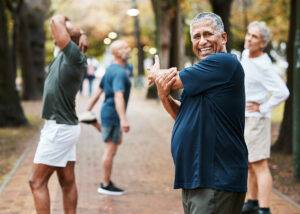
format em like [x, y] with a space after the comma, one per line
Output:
[14, 141]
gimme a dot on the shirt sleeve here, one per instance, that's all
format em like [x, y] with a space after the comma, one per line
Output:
[73, 53]
[275, 85]
[213, 71]
[119, 82]
[101, 84]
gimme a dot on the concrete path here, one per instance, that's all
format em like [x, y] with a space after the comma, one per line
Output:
[143, 167]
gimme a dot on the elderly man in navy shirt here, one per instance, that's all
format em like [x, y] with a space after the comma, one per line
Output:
[208, 146]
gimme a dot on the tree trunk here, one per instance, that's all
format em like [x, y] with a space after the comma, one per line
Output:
[165, 33]
[284, 143]
[177, 42]
[222, 8]
[31, 49]
[29, 80]
[11, 113]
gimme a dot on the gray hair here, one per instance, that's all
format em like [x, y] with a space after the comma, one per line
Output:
[263, 28]
[218, 23]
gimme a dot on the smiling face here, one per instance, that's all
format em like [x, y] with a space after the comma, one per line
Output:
[254, 41]
[207, 39]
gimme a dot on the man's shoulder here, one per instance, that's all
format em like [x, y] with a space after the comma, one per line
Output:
[219, 60]
[226, 57]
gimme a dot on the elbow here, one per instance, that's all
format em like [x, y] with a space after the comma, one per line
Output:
[286, 94]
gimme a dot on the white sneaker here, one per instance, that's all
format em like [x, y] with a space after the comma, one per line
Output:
[87, 117]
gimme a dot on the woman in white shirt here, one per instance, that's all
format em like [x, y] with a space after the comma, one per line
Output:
[265, 90]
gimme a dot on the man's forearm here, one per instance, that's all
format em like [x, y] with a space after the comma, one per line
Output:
[171, 105]
[120, 106]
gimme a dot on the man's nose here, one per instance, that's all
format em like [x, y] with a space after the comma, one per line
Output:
[202, 41]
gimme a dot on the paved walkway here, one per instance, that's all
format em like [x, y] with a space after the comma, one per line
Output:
[143, 167]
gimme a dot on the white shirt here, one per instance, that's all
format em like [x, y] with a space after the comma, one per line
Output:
[261, 82]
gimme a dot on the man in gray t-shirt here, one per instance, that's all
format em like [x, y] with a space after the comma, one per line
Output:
[56, 150]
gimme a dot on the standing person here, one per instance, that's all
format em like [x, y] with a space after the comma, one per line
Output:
[260, 82]
[90, 74]
[207, 146]
[56, 150]
[116, 86]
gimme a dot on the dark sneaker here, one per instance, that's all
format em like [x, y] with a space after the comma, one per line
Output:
[261, 211]
[249, 208]
[110, 189]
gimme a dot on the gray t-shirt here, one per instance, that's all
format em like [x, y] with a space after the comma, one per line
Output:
[62, 84]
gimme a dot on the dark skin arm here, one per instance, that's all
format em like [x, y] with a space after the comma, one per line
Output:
[62, 27]
[165, 80]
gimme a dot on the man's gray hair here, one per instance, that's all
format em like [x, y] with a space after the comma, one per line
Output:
[218, 23]
[263, 28]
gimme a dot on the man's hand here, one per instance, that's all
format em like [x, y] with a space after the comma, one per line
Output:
[153, 70]
[83, 42]
[125, 127]
[165, 81]
[252, 106]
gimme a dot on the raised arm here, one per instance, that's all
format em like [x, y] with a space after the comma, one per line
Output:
[165, 80]
[164, 84]
[120, 107]
[59, 30]
[64, 30]
[155, 72]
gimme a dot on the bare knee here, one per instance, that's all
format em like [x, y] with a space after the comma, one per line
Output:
[36, 184]
[260, 166]
[66, 181]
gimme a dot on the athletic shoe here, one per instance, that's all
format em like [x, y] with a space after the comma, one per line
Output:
[260, 211]
[110, 189]
[249, 208]
[87, 117]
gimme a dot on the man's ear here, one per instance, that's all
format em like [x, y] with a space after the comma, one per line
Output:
[263, 44]
[224, 38]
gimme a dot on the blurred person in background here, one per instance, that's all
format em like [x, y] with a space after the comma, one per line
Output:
[116, 86]
[265, 90]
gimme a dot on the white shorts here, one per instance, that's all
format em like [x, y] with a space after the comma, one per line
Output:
[57, 144]
[258, 138]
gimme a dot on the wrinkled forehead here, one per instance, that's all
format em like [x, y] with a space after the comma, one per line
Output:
[203, 25]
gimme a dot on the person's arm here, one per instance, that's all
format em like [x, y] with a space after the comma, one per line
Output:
[120, 107]
[276, 86]
[59, 31]
[155, 73]
[164, 83]
[94, 99]
[60, 25]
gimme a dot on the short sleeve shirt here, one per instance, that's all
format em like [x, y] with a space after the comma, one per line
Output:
[115, 79]
[63, 80]
[208, 144]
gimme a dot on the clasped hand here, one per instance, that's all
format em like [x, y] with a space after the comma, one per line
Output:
[163, 78]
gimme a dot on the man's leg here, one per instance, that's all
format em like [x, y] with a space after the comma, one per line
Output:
[39, 186]
[66, 177]
[110, 151]
[252, 183]
[264, 182]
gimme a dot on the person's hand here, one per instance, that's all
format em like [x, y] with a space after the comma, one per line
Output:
[153, 70]
[83, 43]
[252, 106]
[165, 81]
[125, 127]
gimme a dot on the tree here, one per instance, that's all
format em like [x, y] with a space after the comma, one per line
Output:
[31, 48]
[11, 113]
[284, 141]
[170, 36]
[223, 8]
